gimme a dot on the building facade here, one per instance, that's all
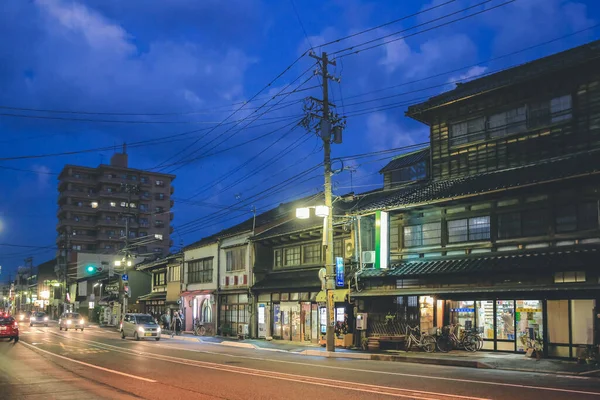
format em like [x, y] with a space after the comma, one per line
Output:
[100, 208]
[165, 278]
[503, 235]
[200, 283]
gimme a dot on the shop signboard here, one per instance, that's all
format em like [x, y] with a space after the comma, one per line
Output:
[330, 295]
[114, 289]
[339, 271]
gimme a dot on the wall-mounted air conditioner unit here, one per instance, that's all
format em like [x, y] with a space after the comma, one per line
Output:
[349, 248]
[368, 257]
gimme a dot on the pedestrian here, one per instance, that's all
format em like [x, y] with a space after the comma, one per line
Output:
[178, 324]
[173, 324]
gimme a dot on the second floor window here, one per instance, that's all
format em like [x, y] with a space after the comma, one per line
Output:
[174, 273]
[312, 253]
[160, 278]
[526, 223]
[423, 235]
[292, 255]
[200, 271]
[469, 229]
[413, 172]
[235, 259]
[574, 217]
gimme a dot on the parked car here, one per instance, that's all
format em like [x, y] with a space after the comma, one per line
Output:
[71, 320]
[139, 326]
[9, 328]
[38, 318]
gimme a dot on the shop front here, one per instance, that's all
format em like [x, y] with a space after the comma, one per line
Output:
[288, 316]
[200, 306]
[343, 317]
[154, 303]
[234, 314]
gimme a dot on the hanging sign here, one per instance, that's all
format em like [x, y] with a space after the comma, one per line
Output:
[339, 271]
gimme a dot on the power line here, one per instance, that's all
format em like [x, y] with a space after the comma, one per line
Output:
[387, 23]
[252, 98]
[184, 162]
[350, 50]
[301, 24]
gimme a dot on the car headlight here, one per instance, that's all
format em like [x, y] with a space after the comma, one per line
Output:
[69, 322]
[45, 318]
[82, 322]
[158, 329]
[141, 329]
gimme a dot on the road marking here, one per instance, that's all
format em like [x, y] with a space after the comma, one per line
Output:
[338, 384]
[475, 381]
[112, 371]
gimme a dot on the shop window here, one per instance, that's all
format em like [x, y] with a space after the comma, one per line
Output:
[206, 311]
[530, 322]
[311, 253]
[463, 313]
[485, 319]
[423, 235]
[569, 277]
[469, 229]
[505, 320]
[582, 321]
[426, 313]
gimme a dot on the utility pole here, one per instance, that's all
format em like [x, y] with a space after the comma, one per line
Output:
[324, 126]
[130, 189]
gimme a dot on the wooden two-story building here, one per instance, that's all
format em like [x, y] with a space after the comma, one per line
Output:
[496, 224]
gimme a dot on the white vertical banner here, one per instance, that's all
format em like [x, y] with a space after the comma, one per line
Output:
[82, 288]
[384, 242]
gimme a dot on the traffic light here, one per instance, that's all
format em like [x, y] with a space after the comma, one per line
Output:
[90, 269]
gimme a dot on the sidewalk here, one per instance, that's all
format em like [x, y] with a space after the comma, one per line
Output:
[483, 360]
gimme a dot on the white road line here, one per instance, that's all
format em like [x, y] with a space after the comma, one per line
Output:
[338, 384]
[112, 371]
[475, 381]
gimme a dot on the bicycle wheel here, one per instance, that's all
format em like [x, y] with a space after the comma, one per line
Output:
[470, 343]
[196, 331]
[480, 344]
[428, 343]
[408, 343]
[444, 344]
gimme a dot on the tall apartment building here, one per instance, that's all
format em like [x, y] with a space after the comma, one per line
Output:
[94, 206]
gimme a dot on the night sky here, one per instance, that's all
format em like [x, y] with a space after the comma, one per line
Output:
[168, 72]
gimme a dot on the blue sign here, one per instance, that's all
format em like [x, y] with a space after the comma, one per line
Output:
[125, 277]
[339, 271]
[467, 310]
[276, 313]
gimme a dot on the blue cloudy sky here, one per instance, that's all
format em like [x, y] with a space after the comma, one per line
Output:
[115, 63]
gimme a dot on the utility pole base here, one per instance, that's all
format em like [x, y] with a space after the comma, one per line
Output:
[330, 339]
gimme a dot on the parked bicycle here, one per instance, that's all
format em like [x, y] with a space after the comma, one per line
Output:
[452, 338]
[414, 337]
[200, 329]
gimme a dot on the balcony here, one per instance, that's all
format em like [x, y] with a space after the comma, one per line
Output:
[117, 195]
[74, 223]
[85, 209]
[74, 179]
[79, 194]
[114, 180]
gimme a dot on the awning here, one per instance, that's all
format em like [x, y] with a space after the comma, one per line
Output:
[197, 292]
[474, 290]
[292, 280]
[153, 296]
[339, 296]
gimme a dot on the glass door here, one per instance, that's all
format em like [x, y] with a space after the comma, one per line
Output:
[485, 322]
[530, 322]
[505, 325]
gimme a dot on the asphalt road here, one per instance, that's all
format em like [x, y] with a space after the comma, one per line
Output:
[49, 364]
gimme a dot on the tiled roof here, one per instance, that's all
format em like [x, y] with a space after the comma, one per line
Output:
[513, 76]
[547, 260]
[407, 159]
[546, 171]
[262, 219]
[290, 280]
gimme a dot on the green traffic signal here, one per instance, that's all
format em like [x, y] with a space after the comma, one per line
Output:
[90, 269]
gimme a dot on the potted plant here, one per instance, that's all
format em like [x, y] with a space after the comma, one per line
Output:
[591, 355]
